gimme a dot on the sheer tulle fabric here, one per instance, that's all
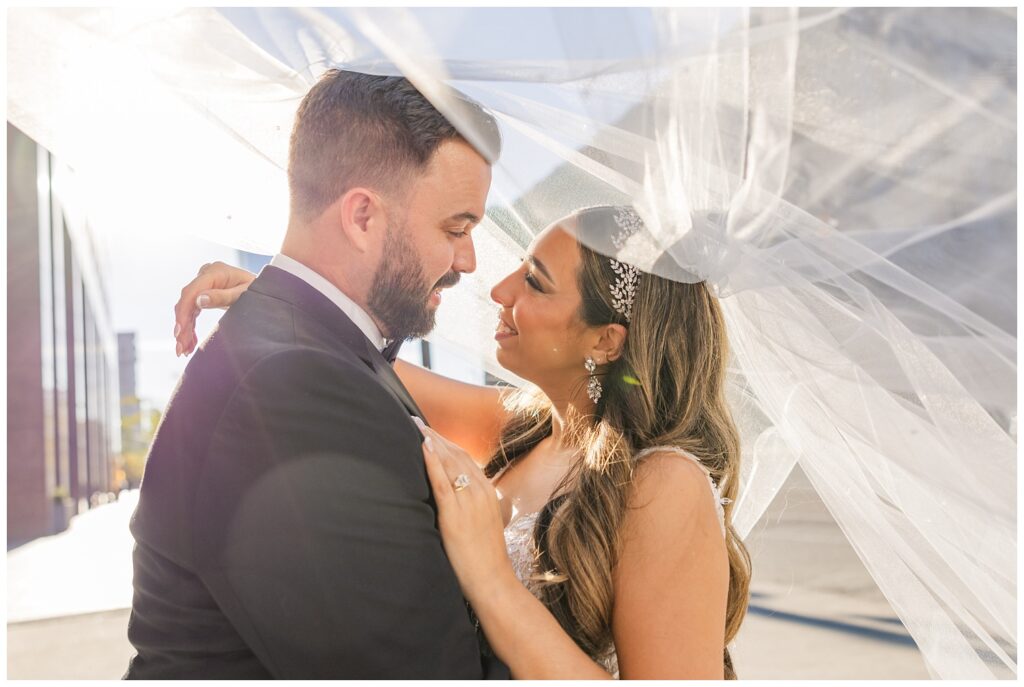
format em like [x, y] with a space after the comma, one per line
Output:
[844, 179]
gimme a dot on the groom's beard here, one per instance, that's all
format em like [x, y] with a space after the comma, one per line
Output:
[399, 293]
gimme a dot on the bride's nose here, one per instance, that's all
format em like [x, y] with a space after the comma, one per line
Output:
[502, 291]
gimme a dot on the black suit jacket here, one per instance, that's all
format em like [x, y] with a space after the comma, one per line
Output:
[285, 526]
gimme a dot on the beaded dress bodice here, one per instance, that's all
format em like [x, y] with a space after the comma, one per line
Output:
[522, 548]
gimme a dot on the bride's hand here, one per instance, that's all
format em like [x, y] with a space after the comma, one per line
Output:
[219, 285]
[469, 518]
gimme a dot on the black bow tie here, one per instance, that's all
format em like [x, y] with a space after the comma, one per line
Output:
[390, 351]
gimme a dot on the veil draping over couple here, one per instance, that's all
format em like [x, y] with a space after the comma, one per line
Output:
[749, 239]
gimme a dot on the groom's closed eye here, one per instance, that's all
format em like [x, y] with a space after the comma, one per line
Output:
[459, 225]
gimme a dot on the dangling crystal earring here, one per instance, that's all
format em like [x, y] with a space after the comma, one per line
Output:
[594, 385]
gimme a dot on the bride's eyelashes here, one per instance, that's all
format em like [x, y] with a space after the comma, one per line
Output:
[531, 280]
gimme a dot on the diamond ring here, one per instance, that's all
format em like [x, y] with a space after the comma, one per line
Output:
[461, 482]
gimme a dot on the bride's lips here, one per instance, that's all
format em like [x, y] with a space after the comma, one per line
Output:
[504, 330]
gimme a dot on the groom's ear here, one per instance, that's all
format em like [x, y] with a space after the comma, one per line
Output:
[360, 216]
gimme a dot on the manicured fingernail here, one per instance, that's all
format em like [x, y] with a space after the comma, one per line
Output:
[177, 349]
[428, 442]
[203, 301]
[419, 422]
[177, 330]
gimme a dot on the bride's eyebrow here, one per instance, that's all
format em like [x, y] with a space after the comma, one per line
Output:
[540, 265]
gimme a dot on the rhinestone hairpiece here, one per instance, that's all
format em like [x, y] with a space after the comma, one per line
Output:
[624, 289]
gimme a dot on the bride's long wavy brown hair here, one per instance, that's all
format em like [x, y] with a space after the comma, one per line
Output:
[666, 389]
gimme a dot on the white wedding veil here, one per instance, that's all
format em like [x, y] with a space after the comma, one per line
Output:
[845, 179]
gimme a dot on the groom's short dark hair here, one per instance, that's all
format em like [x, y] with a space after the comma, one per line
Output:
[353, 129]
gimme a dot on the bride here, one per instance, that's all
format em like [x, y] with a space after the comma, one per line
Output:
[587, 516]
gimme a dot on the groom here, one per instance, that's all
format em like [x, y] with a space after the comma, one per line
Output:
[285, 526]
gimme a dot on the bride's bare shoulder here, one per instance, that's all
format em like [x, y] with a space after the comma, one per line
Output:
[671, 502]
[669, 478]
[672, 564]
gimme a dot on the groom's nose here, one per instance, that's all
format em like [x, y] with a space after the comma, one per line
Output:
[465, 255]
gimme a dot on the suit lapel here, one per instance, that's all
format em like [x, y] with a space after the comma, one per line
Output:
[386, 373]
[277, 283]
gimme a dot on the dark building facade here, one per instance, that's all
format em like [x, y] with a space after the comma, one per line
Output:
[63, 432]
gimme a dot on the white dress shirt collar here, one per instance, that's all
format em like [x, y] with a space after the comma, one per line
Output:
[355, 313]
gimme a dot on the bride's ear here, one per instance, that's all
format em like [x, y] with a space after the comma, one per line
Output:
[609, 346]
[360, 215]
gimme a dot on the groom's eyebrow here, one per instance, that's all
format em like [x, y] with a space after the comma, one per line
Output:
[465, 216]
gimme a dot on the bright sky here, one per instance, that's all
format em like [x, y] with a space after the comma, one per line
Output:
[145, 274]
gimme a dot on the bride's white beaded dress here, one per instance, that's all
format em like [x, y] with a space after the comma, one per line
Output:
[522, 549]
